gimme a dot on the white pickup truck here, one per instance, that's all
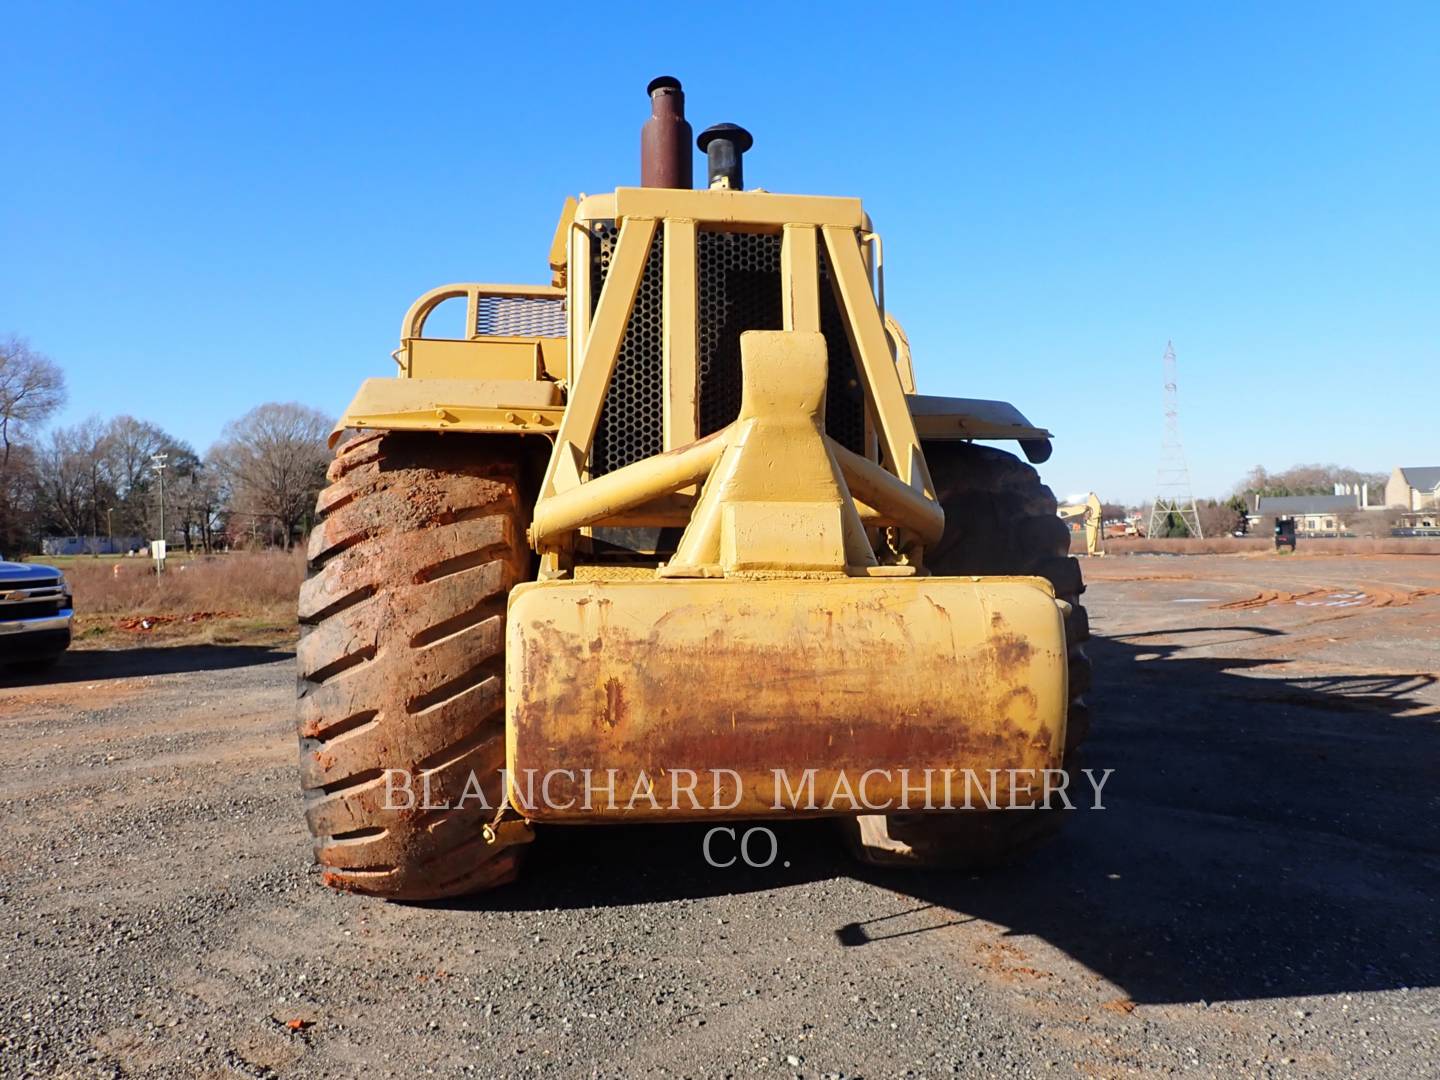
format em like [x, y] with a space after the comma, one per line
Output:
[35, 614]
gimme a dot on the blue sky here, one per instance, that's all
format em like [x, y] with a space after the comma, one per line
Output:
[209, 206]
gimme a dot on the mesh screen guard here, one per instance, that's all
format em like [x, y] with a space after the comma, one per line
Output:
[739, 289]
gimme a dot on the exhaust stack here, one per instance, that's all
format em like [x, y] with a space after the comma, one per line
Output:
[724, 146]
[665, 156]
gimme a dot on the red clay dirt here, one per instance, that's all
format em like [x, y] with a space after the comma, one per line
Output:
[143, 624]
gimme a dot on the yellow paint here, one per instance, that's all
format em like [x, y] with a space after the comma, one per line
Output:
[470, 405]
[775, 454]
[681, 327]
[720, 207]
[486, 358]
[887, 486]
[1091, 517]
[593, 369]
[800, 273]
[874, 360]
[559, 244]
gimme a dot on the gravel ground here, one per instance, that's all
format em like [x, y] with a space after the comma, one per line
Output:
[1258, 898]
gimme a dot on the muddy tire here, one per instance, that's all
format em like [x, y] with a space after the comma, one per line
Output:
[999, 519]
[401, 662]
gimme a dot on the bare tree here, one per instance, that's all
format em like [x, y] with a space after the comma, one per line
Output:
[274, 458]
[32, 387]
[1307, 480]
[1218, 518]
[73, 480]
[18, 499]
[195, 499]
[131, 446]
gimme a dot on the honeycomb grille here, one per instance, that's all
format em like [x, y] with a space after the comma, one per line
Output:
[632, 418]
[844, 396]
[738, 276]
[520, 316]
[738, 280]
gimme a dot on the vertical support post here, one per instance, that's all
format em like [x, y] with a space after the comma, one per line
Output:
[472, 313]
[680, 346]
[579, 304]
[800, 278]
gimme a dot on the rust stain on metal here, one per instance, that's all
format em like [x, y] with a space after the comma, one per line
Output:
[1024, 695]
[823, 680]
[614, 712]
[1011, 652]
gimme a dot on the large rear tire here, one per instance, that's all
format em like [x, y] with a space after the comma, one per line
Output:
[999, 519]
[402, 660]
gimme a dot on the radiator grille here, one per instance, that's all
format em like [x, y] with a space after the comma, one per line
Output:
[739, 284]
[29, 583]
[29, 609]
[520, 316]
[632, 419]
[844, 396]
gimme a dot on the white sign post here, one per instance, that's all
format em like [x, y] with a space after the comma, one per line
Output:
[157, 552]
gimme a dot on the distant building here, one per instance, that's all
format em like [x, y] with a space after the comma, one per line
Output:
[90, 545]
[1315, 515]
[1416, 488]
[1415, 492]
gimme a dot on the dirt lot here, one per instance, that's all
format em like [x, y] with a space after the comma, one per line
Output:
[1259, 897]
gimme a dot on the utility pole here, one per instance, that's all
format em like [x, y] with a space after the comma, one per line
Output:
[159, 464]
[1172, 478]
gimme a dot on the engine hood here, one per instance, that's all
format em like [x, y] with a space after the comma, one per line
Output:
[19, 573]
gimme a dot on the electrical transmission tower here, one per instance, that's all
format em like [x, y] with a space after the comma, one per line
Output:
[1172, 479]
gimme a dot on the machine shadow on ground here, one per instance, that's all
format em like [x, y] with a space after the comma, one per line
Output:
[1257, 841]
[96, 665]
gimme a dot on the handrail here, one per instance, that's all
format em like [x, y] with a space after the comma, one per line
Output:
[413, 325]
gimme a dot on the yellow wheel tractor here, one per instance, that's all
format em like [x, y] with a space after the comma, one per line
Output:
[674, 538]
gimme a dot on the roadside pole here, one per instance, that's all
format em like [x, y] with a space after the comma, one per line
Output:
[157, 547]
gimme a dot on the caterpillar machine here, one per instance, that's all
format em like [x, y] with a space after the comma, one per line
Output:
[1091, 517]
[673, 537]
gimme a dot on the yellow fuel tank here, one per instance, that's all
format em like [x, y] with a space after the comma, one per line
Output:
[765, 698]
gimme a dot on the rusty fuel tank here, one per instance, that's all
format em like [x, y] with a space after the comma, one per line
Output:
[723, 697]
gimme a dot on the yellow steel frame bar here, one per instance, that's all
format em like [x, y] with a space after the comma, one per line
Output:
[901, 347]
[876, 364]
[680, 342]
[625, 489]
[800, 278]
[750, 209]
[596, 365]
